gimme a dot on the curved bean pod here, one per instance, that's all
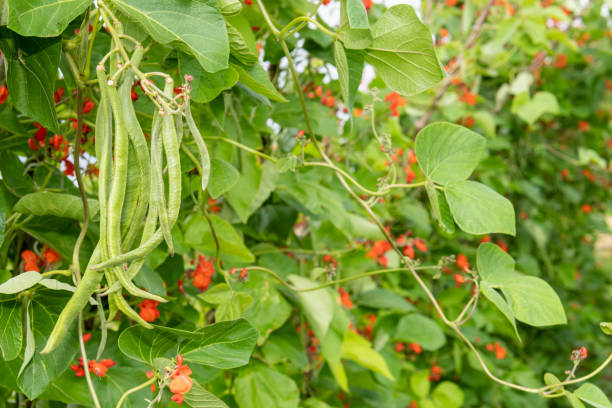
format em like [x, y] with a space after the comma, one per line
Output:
[197, 137]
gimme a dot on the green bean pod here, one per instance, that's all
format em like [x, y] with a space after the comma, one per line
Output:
[87, 286]
[132, 289]
[139, 144]
[159, 199]
[197, 137]
[116, 300]
[120, 168]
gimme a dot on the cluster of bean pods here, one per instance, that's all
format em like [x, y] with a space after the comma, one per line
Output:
[139, 189]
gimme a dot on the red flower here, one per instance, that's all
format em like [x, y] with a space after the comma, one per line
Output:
[412, 159]
[583, 352]
[368, 4]
[462, 262]
[469, 121]
[460, 279]
[397, 101]
[416, 348]
[57, 95]
[451, 3]
[586, 208]
[248, 2]
[33, 145]
[409, 251]
[69, 170]
[410, 175]
[502, 245]
[88, 105]
[583, 125]
[345, 298]
[3, 94]
[86, 337]
[31, 260]
[560, 61]
[148, 310]
[41, 133]
[180, 382]
[399, 347]
[328, 259]
[49, 255]
[469, 98]
[420, 244]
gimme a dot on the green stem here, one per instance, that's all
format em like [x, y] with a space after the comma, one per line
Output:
[283, 33]
[135, 389]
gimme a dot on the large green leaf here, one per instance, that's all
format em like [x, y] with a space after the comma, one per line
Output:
[384, 299]
[10, 335]
[263, 387]
[416, 328]
[206, 86]
[592, 395]
[199, 236]
[402, 52]
[531, 300]
[13, 174]
[43, 18]
[448, 152]
[55, 204]
[243, 45]
[360, 350]
[31, 65]
[196, 26]
[223, 345]
[477, 209]
[499, 302]
[242, 195]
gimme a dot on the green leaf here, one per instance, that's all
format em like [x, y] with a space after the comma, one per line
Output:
[317, 305]
[229, 7]
[206, 86]
[195, 26]
[31, 65]
[606, 327]
[42, 369]
[500, 303]
[416, 328]
[323, 120]
[384, 299]
[350, 67]
[357, 14]
[477, 209]
[256, 78]
[270, 309]
[420, 384]
[574, 400]
[494, 264]
[55, 204]
[199, 236]
[223, 176]
[448, 152]
[231, 304]
[551, 379]
[243, 45]
[223, 345]
[20, 282]
[531, 299]
[531, 110]
[263, 387]
[13, 174]
[198, 397]
[402, 52]
[43, 18]
[360, 350]
[448, 395]
[11, 333]
[439, 208]
[243, 194]
[592, 395]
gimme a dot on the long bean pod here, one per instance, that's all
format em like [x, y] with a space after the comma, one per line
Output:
[197, 137]
[159, 199]
[139, 143]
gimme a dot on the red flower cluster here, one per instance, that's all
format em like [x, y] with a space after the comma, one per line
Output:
[203, 273]
[396, 100]
[148, 310]
[462, 262]
[368, 4]
[58, 95]
[98, 368]
[500, 351]
[180, 382]
[414, 347]
[377, 252]
[579, 354]
[330, 260]
[34, 262]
